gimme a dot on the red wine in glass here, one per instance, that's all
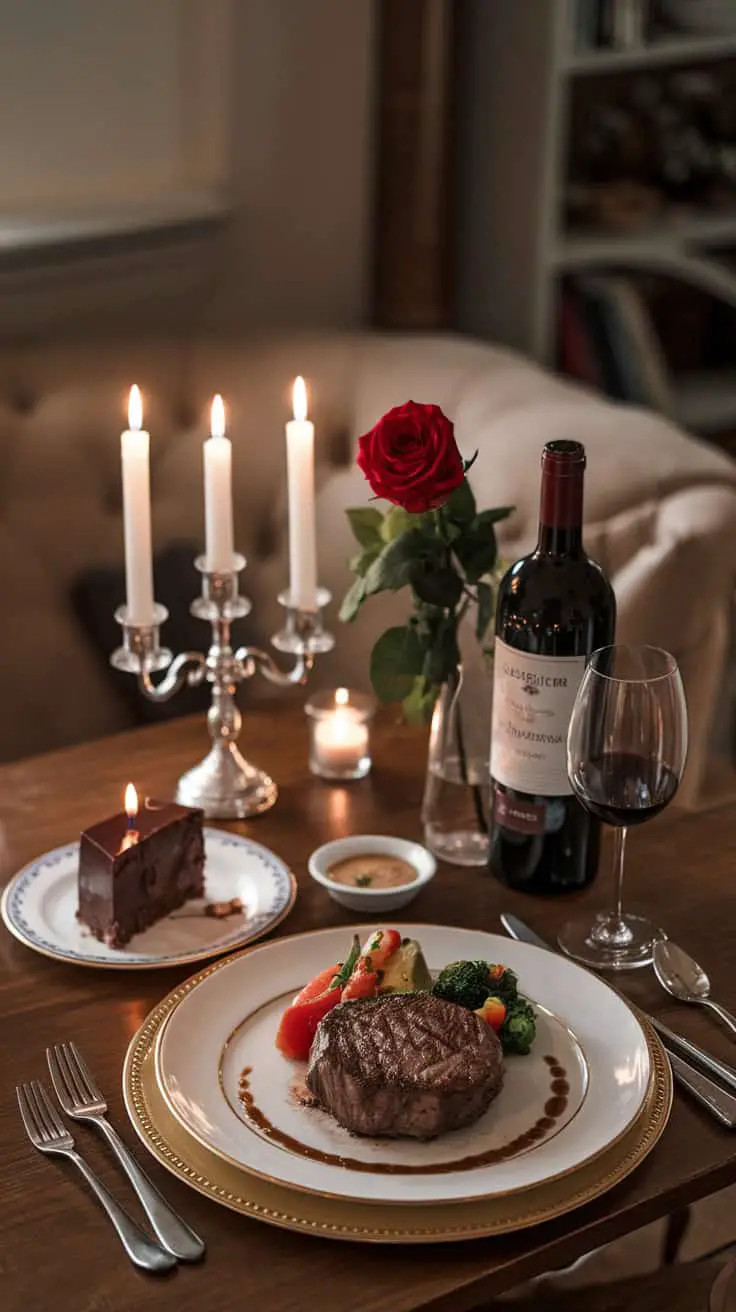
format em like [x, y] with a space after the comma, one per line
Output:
[623, 788]
[626, 750]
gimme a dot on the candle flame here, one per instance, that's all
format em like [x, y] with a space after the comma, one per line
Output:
[135, 409]
[342, 697]
[131, 802]
[299, 398]
[217, 420]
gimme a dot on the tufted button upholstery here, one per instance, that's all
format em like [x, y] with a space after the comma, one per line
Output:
[660, 508]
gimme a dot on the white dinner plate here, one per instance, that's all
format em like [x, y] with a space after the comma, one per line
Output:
[39, 907]
[227, 1024]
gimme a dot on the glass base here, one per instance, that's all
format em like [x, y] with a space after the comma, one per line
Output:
[459, 847]
[609, 943]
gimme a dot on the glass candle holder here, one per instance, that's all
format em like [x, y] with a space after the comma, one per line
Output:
[339, 739]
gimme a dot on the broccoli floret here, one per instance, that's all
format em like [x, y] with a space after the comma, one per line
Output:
[504, 986]
[463, 982]
[519, 1029]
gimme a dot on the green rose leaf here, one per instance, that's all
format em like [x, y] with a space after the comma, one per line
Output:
[487, 517]
[484, 613]
[392, 569]
[437, 586]
[361, 563]
[353, 600]
[476, 550]
[461, 505]
[396, 522]
[366, 521]
[396, 661]
[419, 704]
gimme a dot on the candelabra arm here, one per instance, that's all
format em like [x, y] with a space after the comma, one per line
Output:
[176, 676]
[224, 785]
[252, 659]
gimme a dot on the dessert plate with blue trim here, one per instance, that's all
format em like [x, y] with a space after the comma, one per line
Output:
[39, 906]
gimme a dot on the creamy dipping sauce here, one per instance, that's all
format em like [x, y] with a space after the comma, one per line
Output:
[373, 870]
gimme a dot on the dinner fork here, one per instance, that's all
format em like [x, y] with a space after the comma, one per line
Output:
[47, 1132]
[83, 1100]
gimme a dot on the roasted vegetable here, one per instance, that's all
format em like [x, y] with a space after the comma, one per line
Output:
[463, 982]
[519, 1029]
[363, 982]
[379, 947]
[300, 1020]
[503, 983]
[406, 971]
[493, 1012]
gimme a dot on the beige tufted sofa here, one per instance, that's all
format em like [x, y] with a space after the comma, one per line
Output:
[660, 507]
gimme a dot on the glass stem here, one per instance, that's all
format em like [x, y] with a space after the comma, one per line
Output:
[619, 852]
[611, 930]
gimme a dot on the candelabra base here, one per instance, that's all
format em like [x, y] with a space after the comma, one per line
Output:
[226, 786]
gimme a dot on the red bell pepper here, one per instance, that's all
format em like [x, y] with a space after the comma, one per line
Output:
[377, 949]
[493, 1012]
[300, 1020]
[363, 983]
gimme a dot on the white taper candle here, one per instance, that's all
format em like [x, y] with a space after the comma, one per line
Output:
[134, 452]
[300, 470]
[218, 493]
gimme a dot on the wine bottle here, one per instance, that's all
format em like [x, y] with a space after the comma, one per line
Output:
[555, 607]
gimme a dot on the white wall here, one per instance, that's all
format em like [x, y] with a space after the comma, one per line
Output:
[302, 163]
[151, 102]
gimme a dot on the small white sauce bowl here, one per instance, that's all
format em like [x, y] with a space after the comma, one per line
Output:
[368, 901]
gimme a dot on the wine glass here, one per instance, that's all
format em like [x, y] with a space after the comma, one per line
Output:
[626, 750]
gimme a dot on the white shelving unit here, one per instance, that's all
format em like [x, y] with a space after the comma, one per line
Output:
[519, 67]
[658, 54]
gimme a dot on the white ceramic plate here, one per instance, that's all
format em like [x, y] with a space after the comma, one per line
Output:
[39, 906]
[228, 1022]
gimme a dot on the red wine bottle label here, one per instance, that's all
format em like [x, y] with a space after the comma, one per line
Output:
[533, 698]
[520, 816]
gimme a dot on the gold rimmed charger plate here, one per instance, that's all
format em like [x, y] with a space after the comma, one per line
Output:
[332, 1218]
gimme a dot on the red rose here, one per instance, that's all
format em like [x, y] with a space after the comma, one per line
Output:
[411, 457]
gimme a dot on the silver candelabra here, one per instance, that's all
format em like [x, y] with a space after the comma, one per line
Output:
[224, 784]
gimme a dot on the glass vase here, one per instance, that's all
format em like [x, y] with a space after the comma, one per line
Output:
[457, 792]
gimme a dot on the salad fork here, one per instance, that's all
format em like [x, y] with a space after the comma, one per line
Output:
[83, 1100]
[48, 1134]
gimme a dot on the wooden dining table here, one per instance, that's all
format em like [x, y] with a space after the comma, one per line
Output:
[58, 1251]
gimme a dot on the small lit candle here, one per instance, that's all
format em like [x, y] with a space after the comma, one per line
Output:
[134, 452]
[131, 810]
[340, 739]
[218, 493]
[300, 471]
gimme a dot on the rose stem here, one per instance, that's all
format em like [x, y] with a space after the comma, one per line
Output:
[474, 788]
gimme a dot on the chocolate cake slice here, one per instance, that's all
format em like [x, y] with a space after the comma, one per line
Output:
[130, 878]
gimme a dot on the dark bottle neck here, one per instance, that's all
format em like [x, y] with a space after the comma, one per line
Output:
[556, 541]
[561, 499]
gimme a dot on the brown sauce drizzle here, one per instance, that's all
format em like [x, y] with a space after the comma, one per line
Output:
[554, 1108]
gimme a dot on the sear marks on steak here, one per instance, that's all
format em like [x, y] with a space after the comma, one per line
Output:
[404, 1065]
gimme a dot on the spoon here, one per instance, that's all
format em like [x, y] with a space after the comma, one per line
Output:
[685, 980]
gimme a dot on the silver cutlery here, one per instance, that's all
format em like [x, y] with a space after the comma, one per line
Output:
[82, 1099]
[710, 1095]
[682, 977]
[48, 1134]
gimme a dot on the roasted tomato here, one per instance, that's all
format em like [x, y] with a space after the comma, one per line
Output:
[318, 985]
[493, 1012]
[379, 947]
[300, 1020]
[363, 983]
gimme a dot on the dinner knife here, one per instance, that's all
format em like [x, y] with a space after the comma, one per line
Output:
[710, 1095]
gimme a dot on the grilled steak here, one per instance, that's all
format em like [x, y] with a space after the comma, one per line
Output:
[404, 1065]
